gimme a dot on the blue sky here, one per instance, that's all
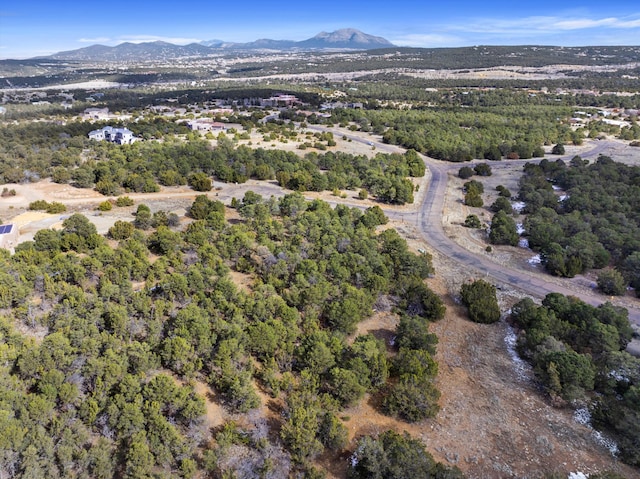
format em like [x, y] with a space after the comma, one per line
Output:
[39, 27]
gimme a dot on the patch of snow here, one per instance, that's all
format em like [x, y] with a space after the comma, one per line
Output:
[520, 228]
[518, 206]
[523, 243]
[577, 475]
[521, 367]
[535, 260]
[618, 376]
[563, 197]
[583, 416]
[606, 442]
[556, 187]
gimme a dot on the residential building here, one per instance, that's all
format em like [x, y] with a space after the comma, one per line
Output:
[204, 124]
[120, 136]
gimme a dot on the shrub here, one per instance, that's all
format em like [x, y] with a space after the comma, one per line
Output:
[124, 201]
[105, 206]
[480, 299]
[465, 172]
[55, 208]
[612, 282]
[52, 208]
[200, 182]
[38, 205]
[472, 221]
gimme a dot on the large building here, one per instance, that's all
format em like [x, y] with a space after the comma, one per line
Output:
[121, 136]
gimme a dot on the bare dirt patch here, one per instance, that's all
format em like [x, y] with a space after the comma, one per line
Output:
[494, 420]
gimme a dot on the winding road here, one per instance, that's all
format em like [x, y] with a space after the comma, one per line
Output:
[429, 221]
[428, 217]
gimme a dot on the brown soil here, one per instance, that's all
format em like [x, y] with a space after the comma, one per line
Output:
[494, 421]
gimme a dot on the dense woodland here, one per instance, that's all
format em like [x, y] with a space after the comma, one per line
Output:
[578, 354]
[97, 383]
[597, 224]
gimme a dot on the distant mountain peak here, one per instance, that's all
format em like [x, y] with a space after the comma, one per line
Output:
[348, 38]
[349, 35]
[345, 38]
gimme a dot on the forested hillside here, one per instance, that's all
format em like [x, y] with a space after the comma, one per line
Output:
[101, 339]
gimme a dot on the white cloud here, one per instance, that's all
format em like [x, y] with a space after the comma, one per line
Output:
[629, 24]
[95, 40]
[426, 40]
[582, 23]
[155, 38]
[542, 25]
[139, 39]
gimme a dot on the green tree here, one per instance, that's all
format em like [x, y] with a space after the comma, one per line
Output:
[480, 299]
[473, 199]
[503, 191]
[143, 217]
[612, 282]
[395, 456]
[502, 204]
[139, 459]
[200, 182]
[482, 169]
[344, 385]
[472, 221]
[465, 172]
[503, 230]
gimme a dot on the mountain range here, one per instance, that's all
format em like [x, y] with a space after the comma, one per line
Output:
[344, 39]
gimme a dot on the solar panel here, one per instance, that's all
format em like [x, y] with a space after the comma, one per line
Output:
[4, 229]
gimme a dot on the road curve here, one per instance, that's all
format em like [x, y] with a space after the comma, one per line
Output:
[429, 221]
[428, 217]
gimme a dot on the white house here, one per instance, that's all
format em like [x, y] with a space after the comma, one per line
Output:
[121, 136]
